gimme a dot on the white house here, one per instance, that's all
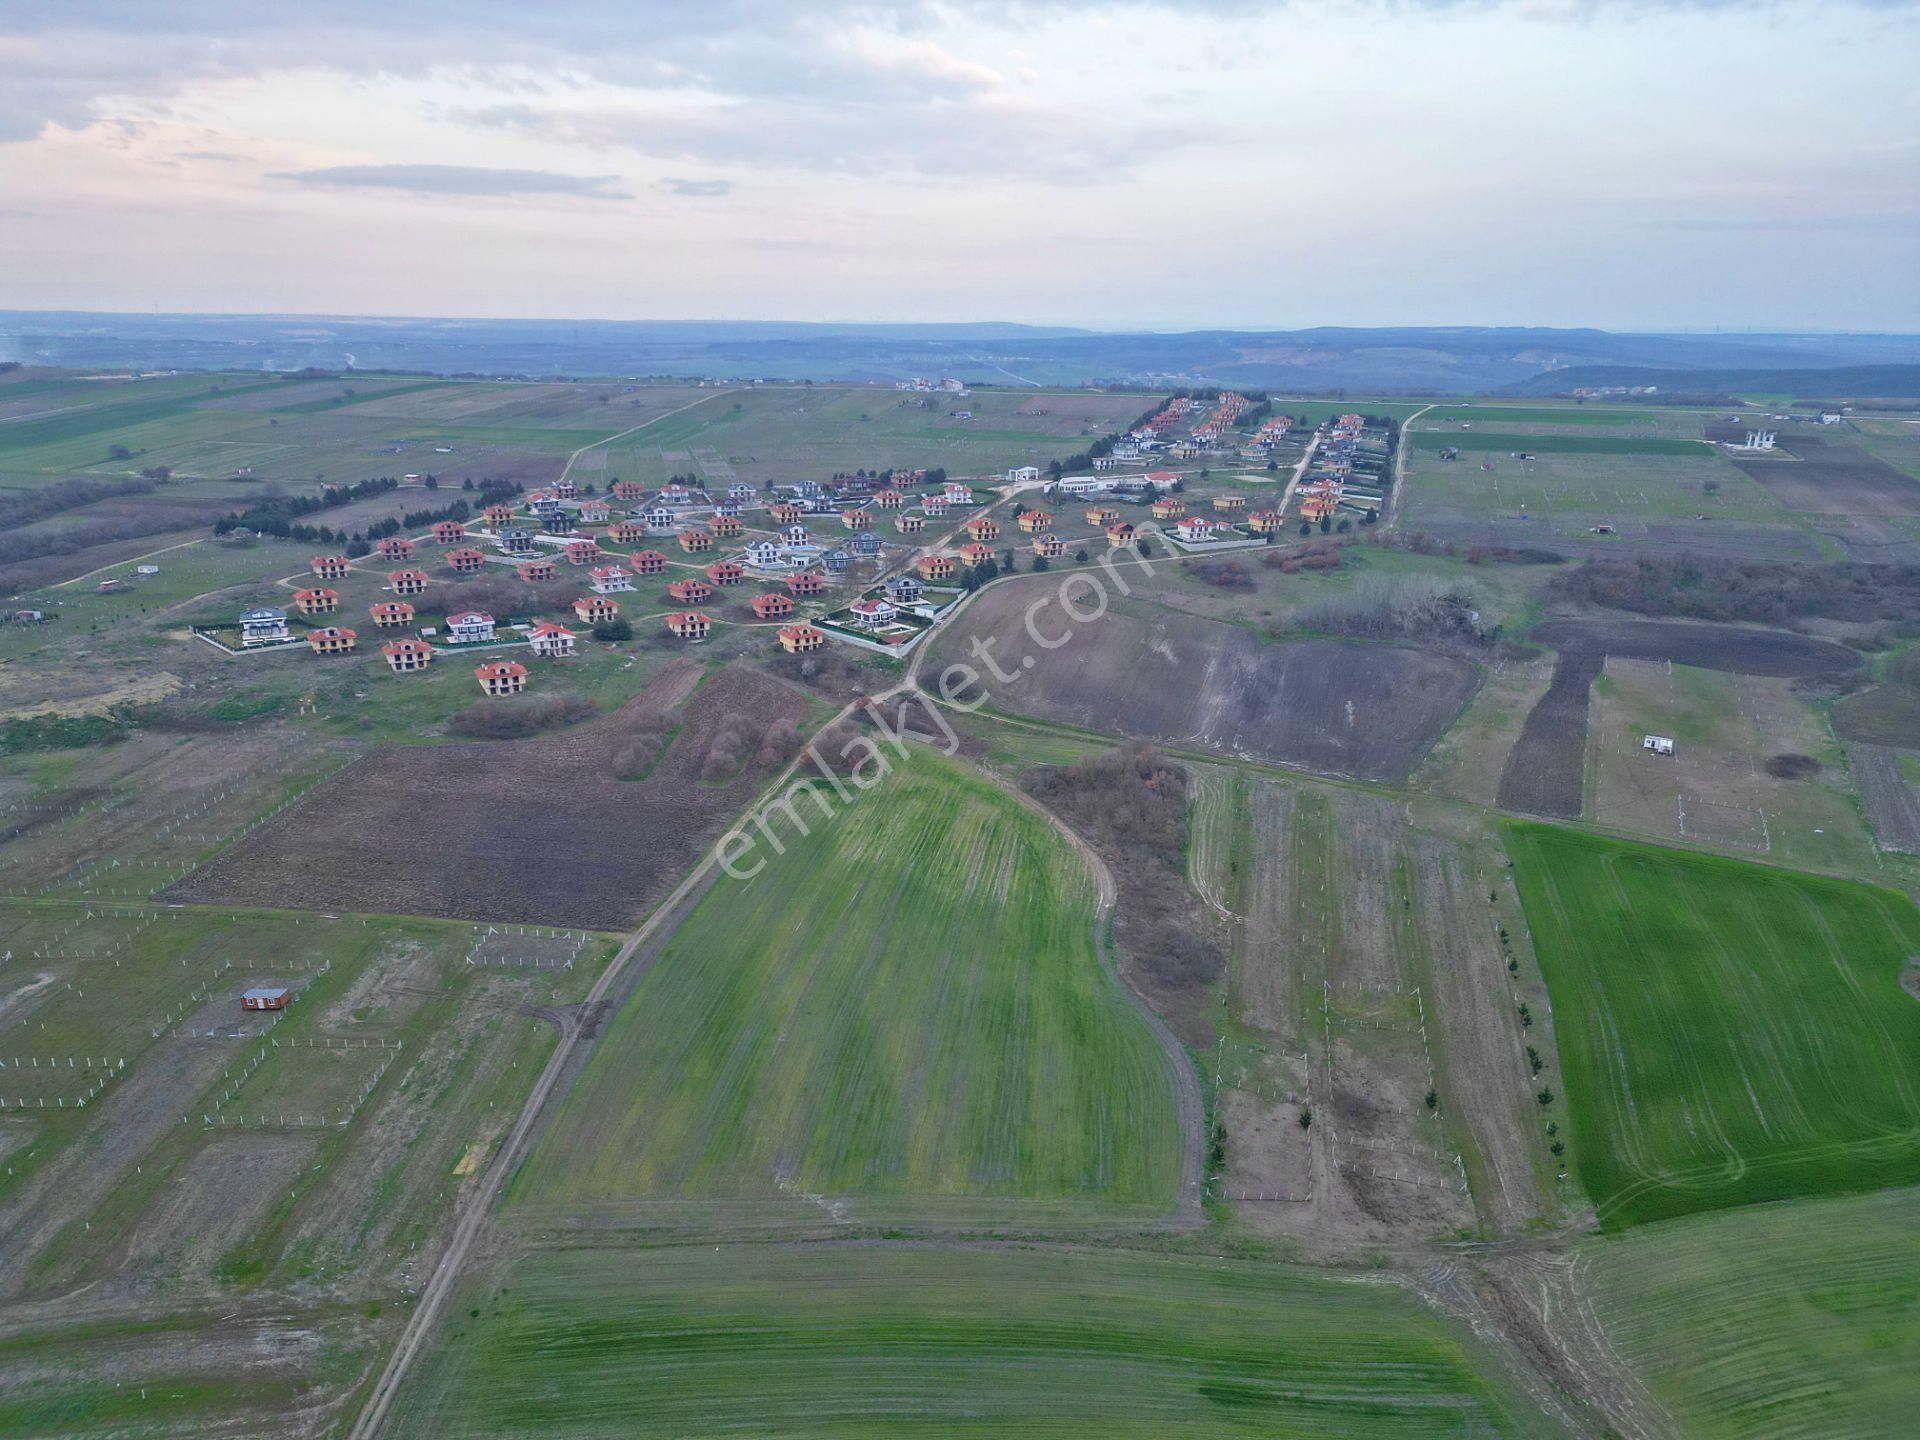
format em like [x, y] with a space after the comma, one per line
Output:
[265, 626]
[470, 627]
[1086, 484]
[1193, 529]
[657, 517]
[1658, 744]
[1023, 475]
[765, 555]
[742, 493]
[872, 614]
[609, 578]
[957, 494]
[550, 641]
[797, 535]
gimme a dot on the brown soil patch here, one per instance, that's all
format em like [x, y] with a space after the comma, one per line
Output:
[1792, 767]
[1819, 477]
[511, 831]
[1356, 709]
[1893, 805]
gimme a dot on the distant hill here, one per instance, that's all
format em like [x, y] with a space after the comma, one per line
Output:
[1326, 360]
[1843, 382]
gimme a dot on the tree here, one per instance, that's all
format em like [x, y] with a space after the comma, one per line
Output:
[1039, 564]
[1371, 516]
[119, 452]
[613, 630]
[1306, 1118]
[1326, 524]
[1080, 556]
[1306, 528]
[432, 482]
[1146, 550]
[1272, 465]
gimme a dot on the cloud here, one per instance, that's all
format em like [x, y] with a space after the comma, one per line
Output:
[674, 185]
[459, 180]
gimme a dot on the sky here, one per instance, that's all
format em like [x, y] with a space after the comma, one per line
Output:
[1218, 163]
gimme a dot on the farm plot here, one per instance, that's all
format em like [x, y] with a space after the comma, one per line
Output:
[1141, 670]
[1753, 767]
[1730, 1032]
[1825, 477]
[1886, 779]
[1367, 975]
[548, 834]
[1545, 772]
[1797, 1321]
[881, 1339]
[904, 1008]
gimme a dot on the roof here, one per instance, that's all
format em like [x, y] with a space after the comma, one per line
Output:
[470, 617]
[549, 627]
[491, 668]
[265, 612]
[264, 992]
[870, 607]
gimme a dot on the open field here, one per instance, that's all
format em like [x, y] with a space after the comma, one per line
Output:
[905, 1007]
[546, 833]
[1349, 708]
[1823, 476]
[1754, 766]
[901, 1340]
[1546, 769]
[1730, 1032]
[1799, 1321]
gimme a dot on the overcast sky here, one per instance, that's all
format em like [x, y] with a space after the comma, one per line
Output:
[1117, 165]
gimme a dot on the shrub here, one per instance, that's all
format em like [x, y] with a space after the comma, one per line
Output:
[513, 717]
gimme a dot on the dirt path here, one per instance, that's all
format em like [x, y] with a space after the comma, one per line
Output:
[478, 1205]
[567, 469]
[130, 560]
[1400, 468]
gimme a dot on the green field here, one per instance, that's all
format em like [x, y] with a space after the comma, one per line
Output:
[1478, 440]
[906, 1004]
[1730, 1032]
[891, 1340]
[1798, 1322]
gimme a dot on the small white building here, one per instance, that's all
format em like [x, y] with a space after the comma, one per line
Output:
[1023, 475]
[1658, 744]
[550, 641]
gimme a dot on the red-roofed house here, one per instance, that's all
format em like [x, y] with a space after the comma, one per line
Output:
[690, 625]
[1049, 547]
[772, 606]
[1035, 521]
[394, 547]
[329, 567]
[594, 609]
[694, 541]
[807, 582]
[890, 500]
[629, 491]
[1169, 507]
[1102, 515]
[470, 627]
[855, 519]
[407, 582]
[389, 614]
[581, 552]
[974, 553]
[689, 591]
[1120, 533]
[317, 601]
[550, 641]
[726, 572]
[872, 614]
[984, 527]
[534, 571]
[800, 639]
[501, 677]
[626, 532]
[406, 656]
[448, 532]
[911, 524]
[936, 567]
[497, 515]
[611, 579]
[727, 526]
[466, 561]
[647, 562]
[331, 640]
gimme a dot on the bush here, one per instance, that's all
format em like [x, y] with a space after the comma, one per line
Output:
[643, 737]
[614, 630]
[1706, 589]
[1407, 607]
[1222, 574]
[513, 717]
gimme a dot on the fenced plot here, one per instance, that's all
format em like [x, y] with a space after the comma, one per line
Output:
[527, 948]
[301, 1082]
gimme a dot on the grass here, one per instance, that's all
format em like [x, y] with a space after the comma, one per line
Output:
[873, 1340]
[1476, 440]
[907, 1004]
[1730, 1032]
[1796, 1321]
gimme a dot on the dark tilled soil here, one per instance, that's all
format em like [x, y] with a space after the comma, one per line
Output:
[1547, 765]
[1893, 806]
[1546, 769]
[1741, 649]
[525, 832]
[1346, 708]
[1822, 477]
